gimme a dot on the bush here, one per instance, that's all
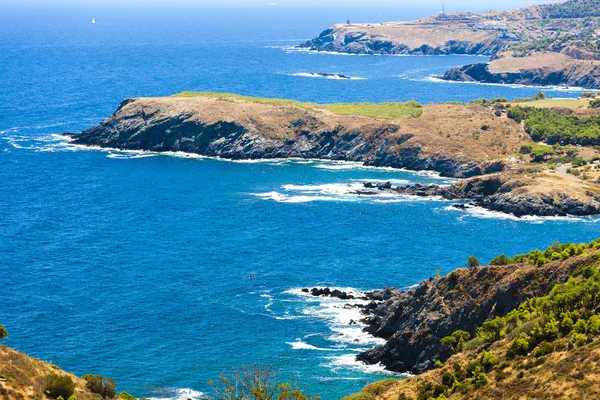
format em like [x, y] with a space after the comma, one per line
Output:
[473, 262]
[520, 345]
[60, 385]
[480, 379]
[543, 349]
[579, 339]
[3, 332]
[99, 385]
[487, 360]
[485, 127]
[126, 396]
[456, 340]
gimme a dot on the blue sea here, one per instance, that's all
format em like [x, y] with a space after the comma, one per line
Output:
[136, 265]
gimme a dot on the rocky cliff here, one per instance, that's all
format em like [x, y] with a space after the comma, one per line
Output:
[413, 322]
[242, 129]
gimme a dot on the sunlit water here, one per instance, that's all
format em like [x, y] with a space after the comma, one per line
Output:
[135, 265]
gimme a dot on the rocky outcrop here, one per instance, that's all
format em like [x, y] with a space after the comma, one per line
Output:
[578, 74]
[512, 194]
[414, 321]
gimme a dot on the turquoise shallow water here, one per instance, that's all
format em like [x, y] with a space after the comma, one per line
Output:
[136, 265]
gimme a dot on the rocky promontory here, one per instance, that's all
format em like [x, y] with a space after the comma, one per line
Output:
[553, 44]
[235, 127]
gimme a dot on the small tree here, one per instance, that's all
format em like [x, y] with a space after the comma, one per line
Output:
[3, 332]
[99, 385]
[473, 262]
[60, 386]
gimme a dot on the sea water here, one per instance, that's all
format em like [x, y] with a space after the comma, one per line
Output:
[136, 265]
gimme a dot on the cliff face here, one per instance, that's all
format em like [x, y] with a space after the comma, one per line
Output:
[403, 39]
[240, 129]
[413, 322]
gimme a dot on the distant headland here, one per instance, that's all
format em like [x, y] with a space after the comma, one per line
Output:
[553, 44]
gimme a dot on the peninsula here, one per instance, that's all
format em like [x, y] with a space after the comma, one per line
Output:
[495, 150]
[554, 44]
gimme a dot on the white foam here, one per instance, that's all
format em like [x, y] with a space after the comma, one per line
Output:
[284, 198]
[348, 361]
[328, 76]
[179, 394]
[342, 317]
[300, 345]
[480, 212]
[436, 79]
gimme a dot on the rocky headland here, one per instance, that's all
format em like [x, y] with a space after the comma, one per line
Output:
[241, 128]
[473, 142]
[414, 321]
[550, 44]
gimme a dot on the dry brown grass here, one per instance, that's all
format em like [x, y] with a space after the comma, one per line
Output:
[23, 377]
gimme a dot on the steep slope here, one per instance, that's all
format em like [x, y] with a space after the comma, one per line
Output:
[548, 348]
[24, 377]
[414, 322]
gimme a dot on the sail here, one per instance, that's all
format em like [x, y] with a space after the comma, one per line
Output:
[93, 21]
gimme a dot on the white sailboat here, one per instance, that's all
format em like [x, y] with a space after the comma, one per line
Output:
[93, 21]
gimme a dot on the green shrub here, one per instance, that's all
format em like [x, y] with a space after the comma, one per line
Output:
[126, 396]
[99, 385]
[59, 385]
[3, 332]
[578, 339]
[487, 360]
[480, 379]
[543, 349]
[520, 345]
[473, 262]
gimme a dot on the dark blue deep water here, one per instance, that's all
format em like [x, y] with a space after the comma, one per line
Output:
[136, 266]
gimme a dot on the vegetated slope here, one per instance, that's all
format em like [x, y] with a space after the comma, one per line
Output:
[448, 138]
[24, 377]
[414, 322]
[547, 348]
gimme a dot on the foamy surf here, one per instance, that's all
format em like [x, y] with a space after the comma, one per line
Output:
[300, 345]
[349, 362]
[437, 79]
[342, 317]
[336, 77]
[480, 212]
[178, 394]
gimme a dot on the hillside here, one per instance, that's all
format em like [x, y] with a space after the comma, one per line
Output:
[24, 377]
[554, 44]
[544, 346]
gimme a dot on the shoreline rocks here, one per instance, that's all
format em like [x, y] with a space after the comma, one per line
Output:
[503, 193]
